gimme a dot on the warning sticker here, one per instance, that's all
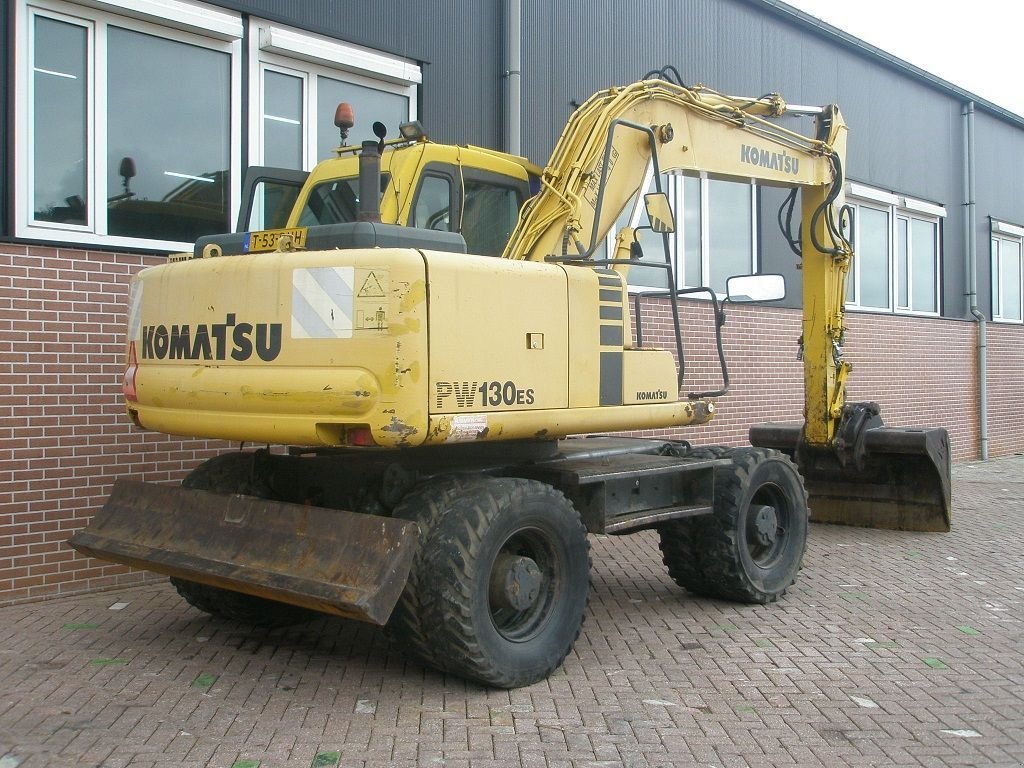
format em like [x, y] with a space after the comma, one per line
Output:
[372, 288]
[467, 427]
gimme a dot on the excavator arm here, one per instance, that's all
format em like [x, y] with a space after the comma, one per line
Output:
[857, 471]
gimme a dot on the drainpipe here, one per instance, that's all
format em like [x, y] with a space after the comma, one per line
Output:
[512, 74]
[971, 247]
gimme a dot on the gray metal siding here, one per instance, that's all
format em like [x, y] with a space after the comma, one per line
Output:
[1000, 190]
[459, 44]
[905, 136]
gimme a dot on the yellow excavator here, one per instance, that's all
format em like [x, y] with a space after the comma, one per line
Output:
[421, 330]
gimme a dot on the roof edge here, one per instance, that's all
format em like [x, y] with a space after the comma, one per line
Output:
[823, 28]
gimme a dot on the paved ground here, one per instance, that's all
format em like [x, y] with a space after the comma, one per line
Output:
[894, 649]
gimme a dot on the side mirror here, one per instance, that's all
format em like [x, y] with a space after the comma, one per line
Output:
[659, 212]
[746, 289]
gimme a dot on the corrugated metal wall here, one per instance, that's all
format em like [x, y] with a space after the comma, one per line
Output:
[460, 44]
[905, 136]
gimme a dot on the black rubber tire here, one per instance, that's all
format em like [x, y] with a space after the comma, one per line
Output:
[751, 549]
[680, 552]
[232, 473]
[426, 504]
[679, 539]
[494, 522]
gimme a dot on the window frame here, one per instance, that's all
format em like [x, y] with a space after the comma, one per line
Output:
[897, 208]
[290, 51]
[675, 188]
[1005, 232]
[173, 20]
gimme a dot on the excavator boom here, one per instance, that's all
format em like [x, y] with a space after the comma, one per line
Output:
[857, 471]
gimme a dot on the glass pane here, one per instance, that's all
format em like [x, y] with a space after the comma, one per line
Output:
[488, 217]
[652, 243]
[924, 241]
[1010, 269]
[282, 120]
[335, 202]
[691, 232]
[59, 130]
[432, 204]
[274, 201]
[168, 124]
[369, 104]
[903, 262]
[873, 257]
[730, 228]
[996, 280]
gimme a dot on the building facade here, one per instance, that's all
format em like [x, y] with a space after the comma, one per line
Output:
[128, 125]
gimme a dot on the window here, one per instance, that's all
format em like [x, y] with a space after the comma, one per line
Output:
[127, 123]
[1007, 272]
[300, 81]
[715, 232]
[896, 245]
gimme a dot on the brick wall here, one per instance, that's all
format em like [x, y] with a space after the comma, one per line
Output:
[1005, 378]
[65, 437]
[921, 371]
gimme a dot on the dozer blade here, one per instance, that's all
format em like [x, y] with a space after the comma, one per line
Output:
[334, 561]
[899, 480]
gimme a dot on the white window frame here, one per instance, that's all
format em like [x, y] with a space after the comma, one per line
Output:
[898, 207]
[278, 48]
[175, 20]
[677, 240]
[1004, 231]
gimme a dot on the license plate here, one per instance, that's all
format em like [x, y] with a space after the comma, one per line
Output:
[268, 239]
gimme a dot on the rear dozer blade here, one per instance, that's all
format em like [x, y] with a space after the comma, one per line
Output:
[334, 561]
[897, 478]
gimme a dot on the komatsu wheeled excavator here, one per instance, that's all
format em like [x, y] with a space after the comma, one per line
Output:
[421, 334]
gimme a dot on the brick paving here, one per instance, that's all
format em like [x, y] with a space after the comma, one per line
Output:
[893, 649]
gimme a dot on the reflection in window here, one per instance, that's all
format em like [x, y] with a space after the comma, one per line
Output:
[489, 215]
[714, 237]
[335, 202]
[433, 202]
[282, 120]
[730, 224]
[275, 202]
[59, 88]
[873, 255]
[370, 106]
[1007, 287]
[168, 113]
[923, 261]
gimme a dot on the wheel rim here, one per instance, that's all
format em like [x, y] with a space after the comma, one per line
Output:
[768, 518]
[522, 585]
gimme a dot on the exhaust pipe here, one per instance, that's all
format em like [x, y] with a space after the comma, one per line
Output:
[369, 181]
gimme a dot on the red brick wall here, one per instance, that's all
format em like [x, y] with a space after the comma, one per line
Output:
[1005, 378]
[65, 437]
[922, 371]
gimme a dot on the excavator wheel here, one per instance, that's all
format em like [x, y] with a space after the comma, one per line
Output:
[751, 548]
[679, 543]
[232, 473]
[425, 504]
[504, 582]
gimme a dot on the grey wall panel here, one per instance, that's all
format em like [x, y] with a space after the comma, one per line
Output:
[1000, 191]
[460, 44]
[904, 134]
